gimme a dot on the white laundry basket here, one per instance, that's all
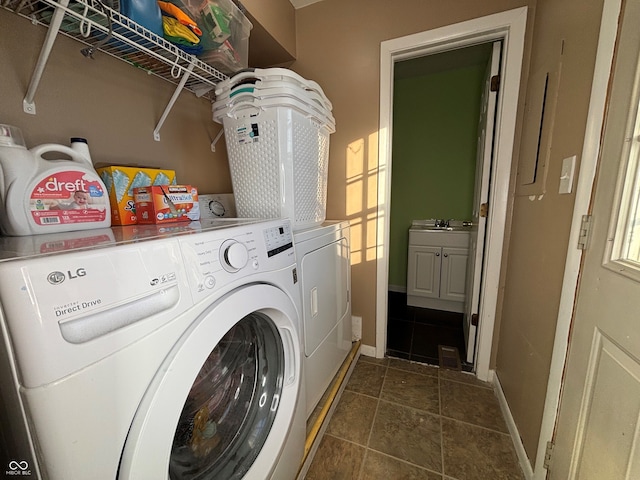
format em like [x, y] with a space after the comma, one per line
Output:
[278, 158]
[278, 147]
[269, 77]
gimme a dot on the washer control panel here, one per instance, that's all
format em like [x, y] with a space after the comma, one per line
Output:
[278, 239]
[217, 258]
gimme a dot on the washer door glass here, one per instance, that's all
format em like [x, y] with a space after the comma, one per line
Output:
[232, 404]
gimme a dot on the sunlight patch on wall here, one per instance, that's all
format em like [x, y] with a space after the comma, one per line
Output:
[362, 197]
[372, 164]
[355, 159]
[372, 173]
[370, 240]
[356, 242]
[372, 193]
[355, 196]
[355, 171]
[382, 179]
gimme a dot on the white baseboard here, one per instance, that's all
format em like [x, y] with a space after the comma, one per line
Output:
[523, 459]
[368, 351]
[356, 328]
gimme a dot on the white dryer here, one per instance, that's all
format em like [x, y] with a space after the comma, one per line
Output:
[324, 265]
[173, 356]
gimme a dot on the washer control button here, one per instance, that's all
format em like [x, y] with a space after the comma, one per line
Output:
[209, 281]
[234, 255]
[255, 264]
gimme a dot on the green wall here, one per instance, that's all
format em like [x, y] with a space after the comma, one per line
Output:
[435, 121]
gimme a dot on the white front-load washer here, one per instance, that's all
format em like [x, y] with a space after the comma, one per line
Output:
[324, 267]
[161, 355]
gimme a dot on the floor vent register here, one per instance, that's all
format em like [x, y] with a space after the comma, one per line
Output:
[449, 357]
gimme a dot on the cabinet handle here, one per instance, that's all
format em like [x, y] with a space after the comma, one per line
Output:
[445, 255]
[437, 254]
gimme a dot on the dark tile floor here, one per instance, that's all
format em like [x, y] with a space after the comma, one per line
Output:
[401, 420]
[414, 333]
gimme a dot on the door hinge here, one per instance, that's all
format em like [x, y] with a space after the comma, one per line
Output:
[547, 455]
[474, 319]
[495, 83]
[484, 210]
[585, 230]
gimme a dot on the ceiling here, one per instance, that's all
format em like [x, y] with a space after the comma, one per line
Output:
[302, 3]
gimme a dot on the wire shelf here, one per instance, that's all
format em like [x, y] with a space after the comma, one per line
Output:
[88, 22]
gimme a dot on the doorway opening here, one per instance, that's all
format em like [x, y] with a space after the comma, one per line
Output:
[443, 118]
[508, 27]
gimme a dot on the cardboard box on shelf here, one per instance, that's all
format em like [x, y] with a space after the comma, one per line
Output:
[165, 204]
[121, 181]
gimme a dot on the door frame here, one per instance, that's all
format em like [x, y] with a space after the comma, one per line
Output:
[510, 27]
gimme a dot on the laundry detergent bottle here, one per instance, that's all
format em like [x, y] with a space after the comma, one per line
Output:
[42, 195]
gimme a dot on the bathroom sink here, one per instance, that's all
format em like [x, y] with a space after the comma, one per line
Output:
[432, 226]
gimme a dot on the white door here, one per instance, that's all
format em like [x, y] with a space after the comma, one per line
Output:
[598, 427]
[481, 196]
[224, 401]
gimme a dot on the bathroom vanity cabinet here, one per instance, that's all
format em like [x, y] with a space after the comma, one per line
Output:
[437, 269]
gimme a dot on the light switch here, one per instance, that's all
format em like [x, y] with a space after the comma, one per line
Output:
[566, 174]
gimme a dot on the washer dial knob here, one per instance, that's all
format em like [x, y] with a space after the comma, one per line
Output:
[216, 208]
[234, 255]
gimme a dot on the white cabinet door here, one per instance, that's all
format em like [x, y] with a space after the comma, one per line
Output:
[437, 269]
[454, 273]
[424, 271]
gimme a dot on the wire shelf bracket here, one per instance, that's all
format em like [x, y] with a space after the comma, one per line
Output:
[28, 105]
[114, 34]
[172, 101]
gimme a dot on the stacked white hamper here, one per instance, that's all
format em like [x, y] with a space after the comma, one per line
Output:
[277, 126]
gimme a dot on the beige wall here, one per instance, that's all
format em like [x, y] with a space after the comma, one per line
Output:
[564, 44]
[273, 38]
[338, 45]
[114, 105]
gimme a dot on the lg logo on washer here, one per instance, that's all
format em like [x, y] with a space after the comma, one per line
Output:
[56, 278]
